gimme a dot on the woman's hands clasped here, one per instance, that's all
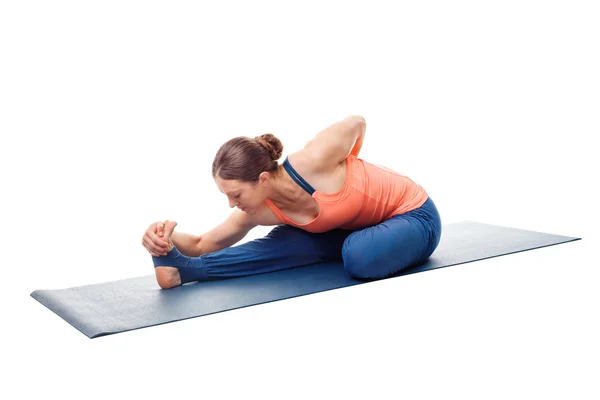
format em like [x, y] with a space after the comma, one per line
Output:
[157, 238]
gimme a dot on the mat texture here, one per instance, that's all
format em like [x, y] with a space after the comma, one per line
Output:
[112, 307]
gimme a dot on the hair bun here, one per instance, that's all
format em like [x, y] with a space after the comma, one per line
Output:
[272, 144]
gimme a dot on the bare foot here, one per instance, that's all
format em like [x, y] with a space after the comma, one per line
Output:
[167, 276]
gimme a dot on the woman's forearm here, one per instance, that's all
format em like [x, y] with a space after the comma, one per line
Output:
[187, 244]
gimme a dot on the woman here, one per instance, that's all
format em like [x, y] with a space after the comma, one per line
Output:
[328, 205]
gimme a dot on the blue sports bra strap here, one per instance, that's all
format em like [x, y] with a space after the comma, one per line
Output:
[296, 177]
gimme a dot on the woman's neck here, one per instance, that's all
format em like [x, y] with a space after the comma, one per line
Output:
[286, 194]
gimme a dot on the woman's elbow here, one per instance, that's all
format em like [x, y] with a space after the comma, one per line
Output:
[360, 122]
[358, 118]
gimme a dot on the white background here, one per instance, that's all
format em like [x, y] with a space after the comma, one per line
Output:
[111, 113]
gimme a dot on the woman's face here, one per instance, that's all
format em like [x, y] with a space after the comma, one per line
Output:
[247, 196]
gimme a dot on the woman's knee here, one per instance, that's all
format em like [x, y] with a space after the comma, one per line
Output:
[360, 259]
[369, 267]
[358, 270]
[383, 250]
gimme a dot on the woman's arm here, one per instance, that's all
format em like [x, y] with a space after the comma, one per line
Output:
[332, 145]
[187, 244]
[228, 233]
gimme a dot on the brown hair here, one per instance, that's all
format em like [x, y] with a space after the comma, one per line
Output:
[243, 158]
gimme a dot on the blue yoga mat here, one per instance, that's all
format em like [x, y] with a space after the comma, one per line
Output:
[113, 307]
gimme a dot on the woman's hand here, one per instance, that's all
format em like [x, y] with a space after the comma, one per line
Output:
[157, 238]
[166, 231]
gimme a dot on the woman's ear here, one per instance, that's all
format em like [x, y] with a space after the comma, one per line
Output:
[263, 178]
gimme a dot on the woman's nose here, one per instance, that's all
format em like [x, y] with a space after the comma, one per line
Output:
[232, 203]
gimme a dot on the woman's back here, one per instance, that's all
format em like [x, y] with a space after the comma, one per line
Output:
[369, 195]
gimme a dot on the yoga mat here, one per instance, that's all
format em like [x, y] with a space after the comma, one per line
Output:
[113, 307]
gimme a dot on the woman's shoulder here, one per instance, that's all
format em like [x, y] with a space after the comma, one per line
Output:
[264, 216]
[307, 162]
[325, 178]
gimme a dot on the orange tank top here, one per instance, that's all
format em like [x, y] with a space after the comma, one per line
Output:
[370, 195]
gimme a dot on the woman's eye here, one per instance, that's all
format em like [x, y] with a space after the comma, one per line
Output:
[238, 196]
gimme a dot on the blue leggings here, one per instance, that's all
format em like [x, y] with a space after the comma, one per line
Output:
[373, 252]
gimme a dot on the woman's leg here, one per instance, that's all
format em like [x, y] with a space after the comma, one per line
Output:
[393, 245]
[282, 248]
